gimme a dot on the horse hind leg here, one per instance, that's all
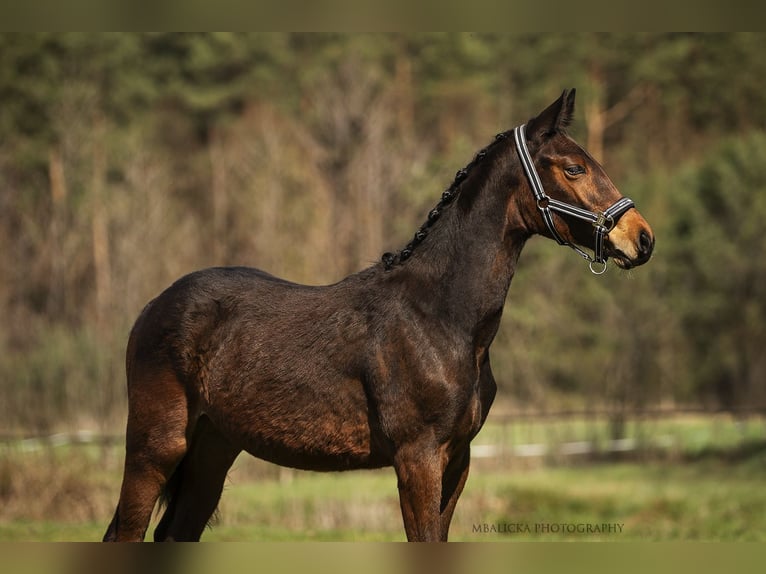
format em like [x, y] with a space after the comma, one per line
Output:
[156, 442]
[453, 481]
[195, 488]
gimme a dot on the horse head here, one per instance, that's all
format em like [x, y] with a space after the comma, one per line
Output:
[572, 199]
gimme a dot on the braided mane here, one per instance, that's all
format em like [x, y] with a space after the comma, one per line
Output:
[448, 197]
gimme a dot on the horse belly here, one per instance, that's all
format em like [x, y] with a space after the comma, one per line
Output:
[302, 430]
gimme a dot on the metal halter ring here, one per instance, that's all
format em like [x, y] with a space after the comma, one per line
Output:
[595, 270]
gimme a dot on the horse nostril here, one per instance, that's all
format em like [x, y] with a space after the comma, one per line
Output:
[645, 243]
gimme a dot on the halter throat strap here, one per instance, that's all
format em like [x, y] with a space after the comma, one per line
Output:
[603, 221]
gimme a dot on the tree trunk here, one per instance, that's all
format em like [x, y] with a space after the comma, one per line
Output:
[100, 229]
[220, 199]
[598, 117]
[58, 189]
[595, 115]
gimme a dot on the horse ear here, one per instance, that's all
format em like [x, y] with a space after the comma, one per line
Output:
[554, 118]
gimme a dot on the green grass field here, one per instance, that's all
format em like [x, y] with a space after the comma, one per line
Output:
[708, 494]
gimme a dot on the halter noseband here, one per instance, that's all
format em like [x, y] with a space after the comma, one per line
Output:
[603, 221]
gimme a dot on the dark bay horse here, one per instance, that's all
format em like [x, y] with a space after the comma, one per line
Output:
[388, 367]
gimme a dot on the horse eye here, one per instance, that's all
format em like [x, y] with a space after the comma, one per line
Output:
[574, 170]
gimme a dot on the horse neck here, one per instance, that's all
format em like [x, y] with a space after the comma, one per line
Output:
[463, 271]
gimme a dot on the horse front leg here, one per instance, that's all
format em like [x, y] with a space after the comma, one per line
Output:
[419, 473]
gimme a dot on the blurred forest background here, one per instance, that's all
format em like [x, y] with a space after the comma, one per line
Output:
[127, 160]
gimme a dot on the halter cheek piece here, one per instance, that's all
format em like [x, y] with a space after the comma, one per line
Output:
[603, 221]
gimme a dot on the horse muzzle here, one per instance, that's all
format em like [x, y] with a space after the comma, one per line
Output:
[631, 242]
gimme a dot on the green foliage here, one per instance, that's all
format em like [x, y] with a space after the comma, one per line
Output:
[128, 159]
[58, 381]
[718, 231]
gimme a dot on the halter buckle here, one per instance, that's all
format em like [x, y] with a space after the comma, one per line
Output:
[601, 221]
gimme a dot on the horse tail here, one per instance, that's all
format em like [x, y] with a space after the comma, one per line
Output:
[111, 531]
